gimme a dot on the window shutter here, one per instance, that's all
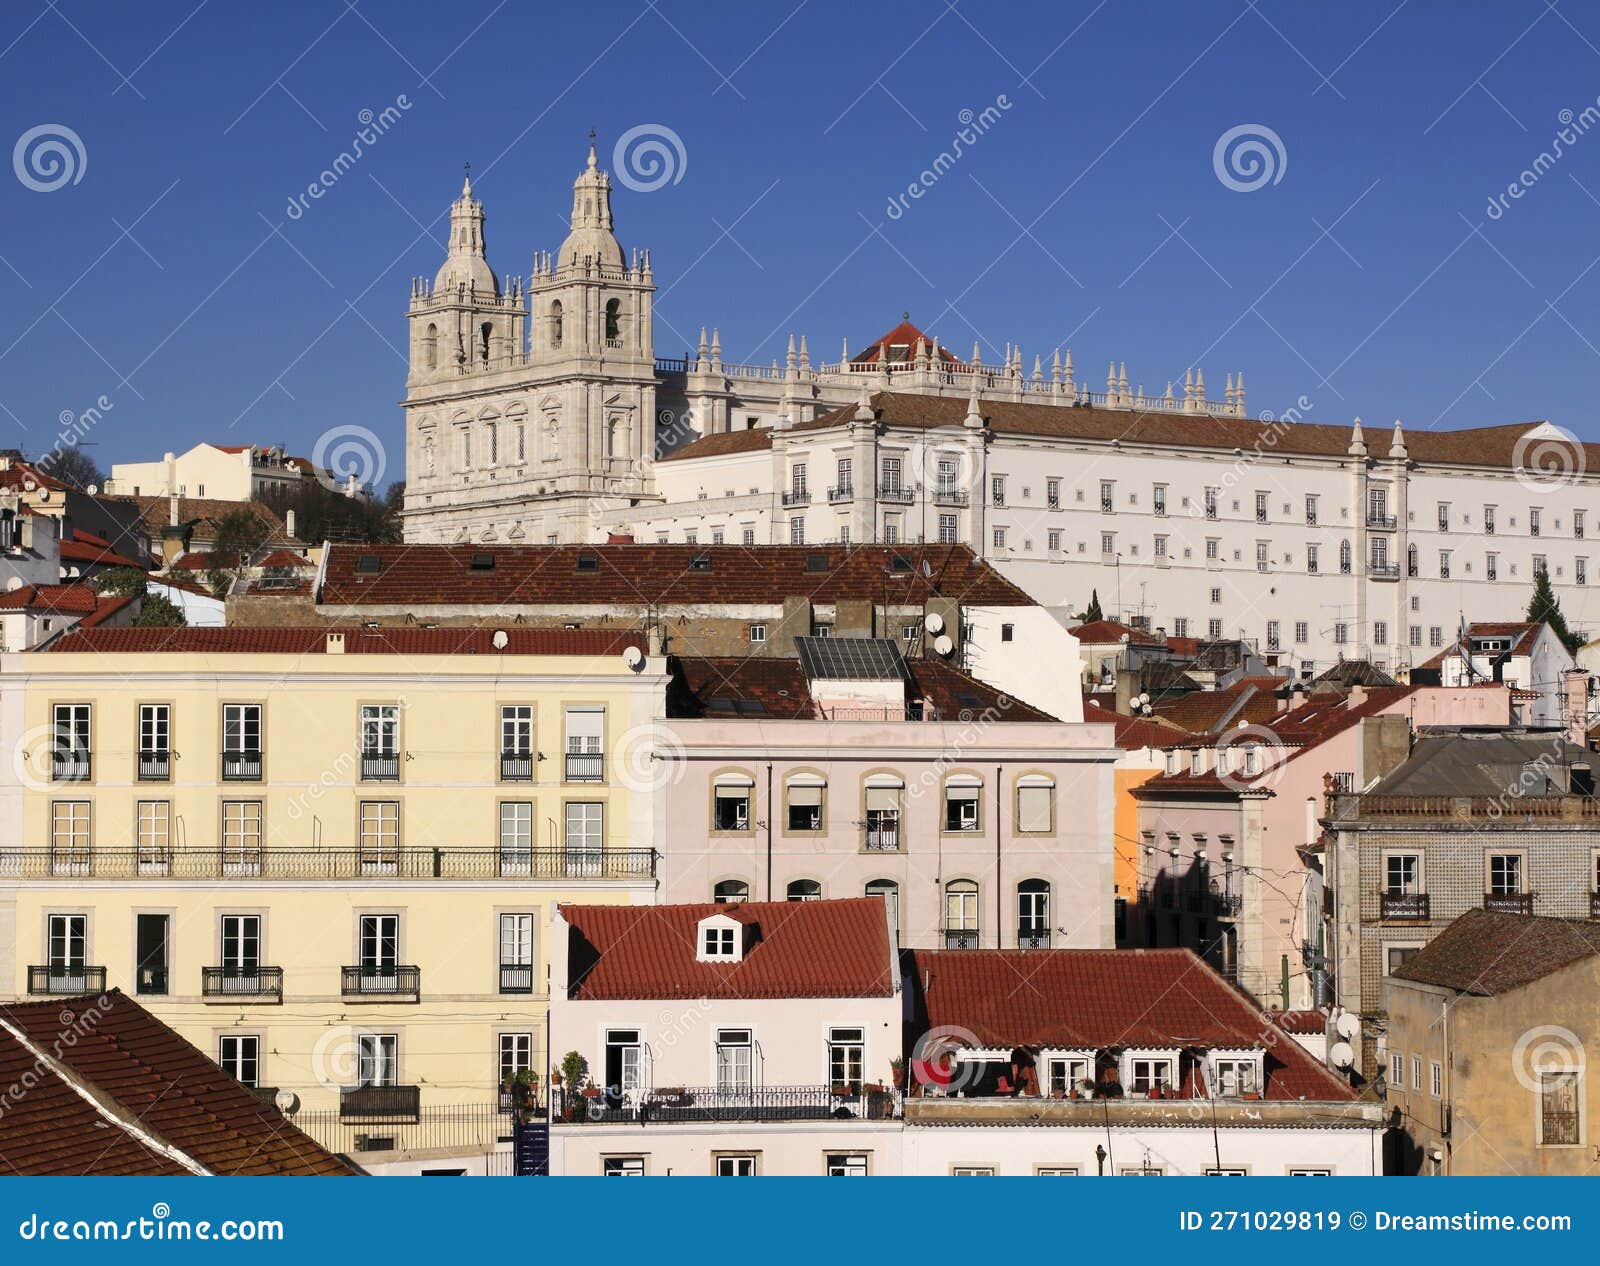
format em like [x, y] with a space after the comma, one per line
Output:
[886, 798]
[1033, 807]
[804, 797]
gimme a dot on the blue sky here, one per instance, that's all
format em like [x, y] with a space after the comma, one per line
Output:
[1367, 277]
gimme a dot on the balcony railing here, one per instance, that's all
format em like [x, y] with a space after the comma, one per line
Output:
[842, 493]
[722, 1104]
[229, 984]
[945, 495]
[151, 981]
[1402, 905]
[380, 766]
[1384, 571]
[241, 766]
[1382, 522]
[883, 839]
[516, 766]
[1508, 902]
[516, 977]
[155, 766]
[1510, 808]
[586, 766]
[961, 938]
[328, 863]
[385, 983]
[797, 497]
[1033, 938]
[66, 979]
[897, 494]
[1594, 905]
[399, 1104]
[73, 765]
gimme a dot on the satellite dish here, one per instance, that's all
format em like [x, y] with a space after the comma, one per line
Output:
[14, 584]
[499, 640]
[44, 494]
[1144, 698]
[943, 644]
[92, 489]
[1347, 1025]
[286, 1101]
[934, 622]
[633, 657]
[1340, 1055]
[28, 485]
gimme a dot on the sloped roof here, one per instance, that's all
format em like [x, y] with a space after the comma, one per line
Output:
[1202, 711]
[85, 547]
[1102, 632]
[1105, 999]
[146, 1076]
[798, 949]
[1486, 953]
[1487, 764]
[903, 335]
[65, 599]
[657, 575]
[1135, 732]
[206, 512]
[247, 640]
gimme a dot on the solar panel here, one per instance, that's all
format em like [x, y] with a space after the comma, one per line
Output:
[752, 708]
[851, 658]
[816, 562]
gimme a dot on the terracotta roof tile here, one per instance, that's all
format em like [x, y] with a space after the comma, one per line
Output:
[1102, 632]
[1135, 732]
[155, 513]
[1105, 999]
[246, 640]
[66, 599]
[721, 443]
[798, 949]
[1485, 952]
[84, 548]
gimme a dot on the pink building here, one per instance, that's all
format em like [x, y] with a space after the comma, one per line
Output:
[850, 771]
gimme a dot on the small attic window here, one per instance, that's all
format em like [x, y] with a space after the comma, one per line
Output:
[588, 562]
[752, 708]
[719, 940]
[482, 562]
[700, 562]
[816, 562]
[367, 565]
[900, 564]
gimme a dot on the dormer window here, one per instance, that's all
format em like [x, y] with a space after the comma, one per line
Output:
[720, 940]
[1236, 1074]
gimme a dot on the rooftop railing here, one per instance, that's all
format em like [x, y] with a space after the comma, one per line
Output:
[735, 1104]
[1509, 808]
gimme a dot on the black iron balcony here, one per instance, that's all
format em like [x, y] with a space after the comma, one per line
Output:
[961, 938]
[70, 765]
[516, 977]
[381, 982]
[1402, 905]
[1384, 571]
[1508, 902]
[152, 980]
[417, 864]
[797, 497]
[1594, 905]
[883, 839]
[380, 766]
[155, 766]
[897, 494]
[950, 495]
[739, 1104]
[586, 766]
[66, 979]
[1382, 522]
[844, 492]
[1033, 938]
[398, 1104]
[516, 766]
[247, 984]
[241, 766]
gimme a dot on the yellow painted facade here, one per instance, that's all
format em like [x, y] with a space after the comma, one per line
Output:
[341, 871]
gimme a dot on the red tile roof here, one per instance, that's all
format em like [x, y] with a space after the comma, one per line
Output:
[903, 335]
[284, 558]
[1306, 1023]
[1106, 999]
[1201, 711]
[659, 575]
[83, 547]
[146, 1075]
[798, 949]
[1485, 952]
[245, 640]
[1102, 632]
[155, 513]
[65, 599]
[1135, 732]
[19, 473]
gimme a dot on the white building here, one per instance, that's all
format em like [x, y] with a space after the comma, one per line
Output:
[218, 472]
[1528, 657]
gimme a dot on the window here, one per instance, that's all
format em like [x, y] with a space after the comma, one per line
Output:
[1397, 1070]
[1444, 516]
[1108, 542]
[1052, 493]
[624, 1066]
[516, 837]
[1310, 1173]
[380, 837]
[378, 944]
[797, 531]
[1272, 635]
[1148, 1074]
[239, 1055]
[70, 755]
[67, 945]
[516, 953]
[748, 536]
[1344, 558]
[622, 1167]
[378, 1059]
[1211, 507]
[803, 890]
[999, 538]
[1436, 635]
[1302, 632]
[1402, 874]
[997, 489]
[961, 801]
[516, 1055]
[1311, 509]
[1435, 1079]
[949, 535]
[241, 741]
[1580, 571]
[585, 836]
[1535, 522]
[961, 914]
[1158, 500]
[1035, 805]
[1505, 874]
[380, 741]
[1380, 632]
[1052, 540]
[797, 479]
[1238, 1077]
[239, 937]
[1214, 629]
[241, 837]
[1161, 547]
[735, 1059]
[1558, 1108]
[805, 805]
[1341, 633]
[1180, 627]
[731, 803]
[1416, 634]
[585, 739]
[842, 475]
[1261, 507]
[1416, 1073]
[972, 1171]
[890, 472]
[155, 741]
[1312, 563]
[1227, 1173]
[1033, 914]
[889, 891]
[1063, 1073]
[153, 835]
[846, 1058]
[1108, 496]
[69, 837]
[1488, 520]
[1395, 957]
[845, 1165]
[883, 818]
[891, 529]
[1577, 525]
[717, 942]
[758, 634]
[1213, 545]
[741, 1166]
[730, 890]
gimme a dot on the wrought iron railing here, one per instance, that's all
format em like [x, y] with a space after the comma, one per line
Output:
[377, 980]
[1508, 902]
[1034, 938]
[735, 1104]
[254, 983]
[516, 766]
[380, 766]
[586, 766]
[516, 978]
[797, 497]
[380, 1103]
[883, 839]
[326, 863]
[896, 494]
[155, 766]
[842, 493]
[1402, 905]
[66, 979]
[461, 1128]
[70, 765]
[241, 766]
[945, 495]
[961, 938]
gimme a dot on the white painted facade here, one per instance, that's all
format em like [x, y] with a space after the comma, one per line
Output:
[216, 472]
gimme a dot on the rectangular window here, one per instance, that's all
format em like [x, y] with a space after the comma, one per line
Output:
[1416, 1073]
[516, 1055]
[380, 731]
[240, 936]
[241, 742]
[1401, 874]
[516, 953]
[69, 837]
[1558, 1109]
[1035, 807]
[842, 475]
[758, 634]
[1213, 545]
[241, 837]
[891, 529]
[846, 1165]
[1311, 509]
[622, 1167]
[155, 741]
[1444, 564]
[731, 807]
[1302, 632]
[1436, 1079]
[1312, 560]
[378, 1059]
[1237, 1077]
[378, 942]
[741, 1166]
[997, 489]
[1272, 635]
[891, 475]
[516, 742]
[68, 947]
[805, 807]
[585, 737]
[1213, 629]
[1580, 571]
[1416, 635]
[239, 1055]
[1161, 547]
[1395, 957]
[1158, 500]
[1488, 520]
[516, 837]
[1577, 524]
[1505, 874]
[153, 835]
[70, 757]
[1535, 522]
[1052, 494]
[1397, 1070]
[1380, 632]
[999, 538]
[1444, 516]
[1108, 497]
[949, 535]
[1052, 539]
[797, 531]
[1341, 634]
[1180, 626]
[1150, 1074]
[585, 837]
[797, 479]
[1435, 635]
[1261, 507]
[1211, 505]
[846, 1058]
[735, 1053]
[961, 808]
[972, 1171]
[380, 837]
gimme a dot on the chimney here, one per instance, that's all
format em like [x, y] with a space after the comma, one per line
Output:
[335, 644]
[1358, 696]
[1575, 707]
[172, 509]
[288, 522]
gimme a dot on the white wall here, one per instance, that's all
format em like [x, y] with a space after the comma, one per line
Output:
[1039, 665]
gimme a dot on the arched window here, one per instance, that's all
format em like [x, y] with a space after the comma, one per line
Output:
[729, 890]
[1344, 557]
[614, 437]
[430, 347]
[961, 914]
[1033, 914]
[890, 892]
[555, 323]
[614, 323]
[491, 435]
[485, 333]
[1411, 560]
[804, 890]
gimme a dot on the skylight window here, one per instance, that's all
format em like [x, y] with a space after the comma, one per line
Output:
[482, 562]
[588, 562]
[367, 565]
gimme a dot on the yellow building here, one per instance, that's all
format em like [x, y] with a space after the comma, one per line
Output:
[327, 857]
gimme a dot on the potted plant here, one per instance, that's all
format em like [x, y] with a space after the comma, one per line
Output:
[841, 1090]
[524, 1090]
[897, 1072]
[570, 1076]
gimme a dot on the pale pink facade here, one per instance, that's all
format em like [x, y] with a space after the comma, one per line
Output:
[1039, 872]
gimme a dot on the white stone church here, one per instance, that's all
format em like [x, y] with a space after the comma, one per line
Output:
[538, 412]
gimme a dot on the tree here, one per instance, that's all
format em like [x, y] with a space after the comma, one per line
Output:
[325, 514]
[240, 534]
[121, 580]
[158, 612]
[1093, 613]
[1545, 607]
[72, 466]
